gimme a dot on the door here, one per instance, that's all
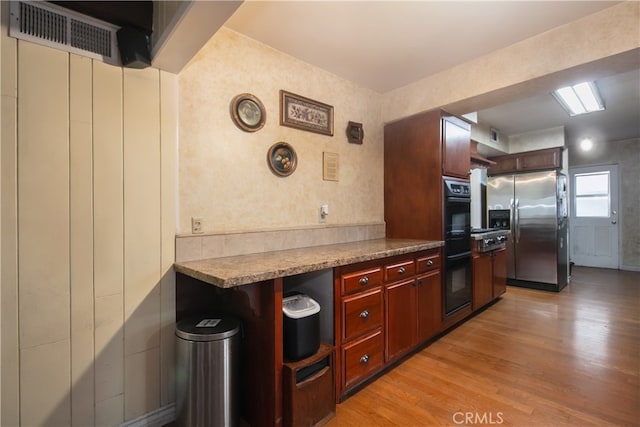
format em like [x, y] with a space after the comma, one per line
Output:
[536, 224]
[594, 216]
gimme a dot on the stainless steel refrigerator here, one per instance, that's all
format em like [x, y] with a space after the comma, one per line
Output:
[534, 207]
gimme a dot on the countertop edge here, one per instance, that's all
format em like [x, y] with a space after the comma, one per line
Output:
[205, 270]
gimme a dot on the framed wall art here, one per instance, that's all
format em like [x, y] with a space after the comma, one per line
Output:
[282, 159]
[248, 113]
[306, 114]
[355, 134]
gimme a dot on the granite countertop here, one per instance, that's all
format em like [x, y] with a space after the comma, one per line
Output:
[229, 272]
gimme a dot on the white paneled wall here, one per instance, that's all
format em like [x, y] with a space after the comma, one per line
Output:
[91, 175]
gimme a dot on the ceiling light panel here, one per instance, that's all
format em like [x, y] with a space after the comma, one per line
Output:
[579, 99]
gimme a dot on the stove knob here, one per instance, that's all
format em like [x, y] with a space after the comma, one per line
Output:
[489, 241]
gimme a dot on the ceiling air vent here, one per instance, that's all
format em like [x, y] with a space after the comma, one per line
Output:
[60, 28]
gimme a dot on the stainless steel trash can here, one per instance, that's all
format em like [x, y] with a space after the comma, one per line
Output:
[207, 353]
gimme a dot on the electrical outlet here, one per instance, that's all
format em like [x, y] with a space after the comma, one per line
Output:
[196, 225]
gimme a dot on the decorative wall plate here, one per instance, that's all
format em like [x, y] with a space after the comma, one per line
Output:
[282, 159]
[248, 113]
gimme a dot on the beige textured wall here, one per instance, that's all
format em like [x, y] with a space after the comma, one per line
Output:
[626, 154]
[526, 68]
[88, 221]
[223, 172]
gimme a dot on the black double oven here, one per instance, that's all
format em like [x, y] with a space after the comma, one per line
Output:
[457, 246]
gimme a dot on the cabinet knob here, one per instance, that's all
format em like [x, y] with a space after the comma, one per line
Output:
[430, 263]
[402, 270]
[364, 280]
[364, 359]
[420, 282]
[364, 314]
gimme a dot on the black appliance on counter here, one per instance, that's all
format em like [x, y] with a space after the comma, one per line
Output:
[457, 245]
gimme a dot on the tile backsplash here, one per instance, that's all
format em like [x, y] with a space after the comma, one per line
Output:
[191, 247]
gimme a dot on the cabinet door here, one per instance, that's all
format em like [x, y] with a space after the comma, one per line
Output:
[482, 280]
[499, 272]
[456, 141]
[400, 316]
[504, 164]
[429, 299]
[540, 160]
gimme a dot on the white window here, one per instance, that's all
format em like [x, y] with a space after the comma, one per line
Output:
[592, 194]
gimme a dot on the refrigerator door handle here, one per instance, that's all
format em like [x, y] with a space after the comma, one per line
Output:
[517, 218]
[512, 222]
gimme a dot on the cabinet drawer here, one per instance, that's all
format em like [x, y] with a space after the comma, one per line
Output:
[428, 263]
[362, 358]
[399, 270]
[360, 280]
[361, 313]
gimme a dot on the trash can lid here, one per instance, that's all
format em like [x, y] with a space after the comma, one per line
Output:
[207, 327]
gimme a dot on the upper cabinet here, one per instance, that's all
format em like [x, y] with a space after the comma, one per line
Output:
[550, 158]
[418, 151]
[456, 144]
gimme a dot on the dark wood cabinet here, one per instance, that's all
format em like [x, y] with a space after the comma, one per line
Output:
[429, 305]
[400, 313]
[489, 276]
[456, 142]
[309, 400]
[384, 310]
[482, 280]
[418, 151]
[549, 158]
[499, 272]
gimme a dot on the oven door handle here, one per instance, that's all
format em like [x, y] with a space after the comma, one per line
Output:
[458, 199]
[458, 257]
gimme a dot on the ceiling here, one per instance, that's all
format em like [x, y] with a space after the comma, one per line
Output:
[383, 45]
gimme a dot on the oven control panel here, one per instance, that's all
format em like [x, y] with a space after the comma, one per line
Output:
[458, 188]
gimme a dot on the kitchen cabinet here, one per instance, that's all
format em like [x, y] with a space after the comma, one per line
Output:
[387, 309]
[401, 314]
[413, 307]
[429, 305]
[499, 272]
[456, 142]
[360, 332]
[489, 276]
[482, 280]
[550, 158]
[418, 151]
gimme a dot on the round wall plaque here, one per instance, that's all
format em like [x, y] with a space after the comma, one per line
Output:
[248, 113]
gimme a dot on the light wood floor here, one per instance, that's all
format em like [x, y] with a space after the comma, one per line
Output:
[534, 358]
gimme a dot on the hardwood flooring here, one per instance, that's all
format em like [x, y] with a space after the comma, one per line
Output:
[534, 358]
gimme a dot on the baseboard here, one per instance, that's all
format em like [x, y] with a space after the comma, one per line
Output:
[629, 268]
[157, 418]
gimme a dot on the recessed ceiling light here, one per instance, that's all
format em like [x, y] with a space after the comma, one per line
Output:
[579, 99]
[586, 144]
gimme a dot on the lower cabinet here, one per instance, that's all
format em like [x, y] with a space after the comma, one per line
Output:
[489, 276]
[482, 280]
[384, 310]
[499, 272]
[401, 313]
[429, 301]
